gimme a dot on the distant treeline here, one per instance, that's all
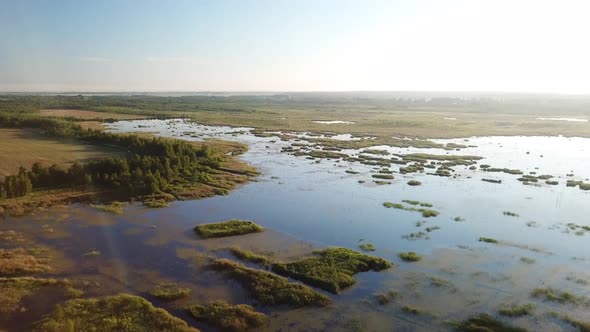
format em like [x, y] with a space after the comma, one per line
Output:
[152, 165]
[162, 105]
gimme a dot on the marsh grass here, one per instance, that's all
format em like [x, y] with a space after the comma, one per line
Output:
[563, 297]
[350, 171]
[232, 318]
[414, 183]
[269, 288]
[492, 181]
[367, 247]
[228, 228]
[510, 214]
[114, 207]
[459, 219]
[170, 291]
[488, 240]
[527, 260]
[384, 298]
[409, 256]
[413, 202]
[155, 203]
[331, 269]
[249, 256]
[411, 310]
[13, 290]
[23, 260]
[484, 323]
[383, 176]
[381, 183]
[516, 310]
[426, 213]
[122, 312]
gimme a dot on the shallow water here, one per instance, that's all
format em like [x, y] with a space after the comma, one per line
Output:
[305, 205]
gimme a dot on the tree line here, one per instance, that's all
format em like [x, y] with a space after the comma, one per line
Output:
[151, 165]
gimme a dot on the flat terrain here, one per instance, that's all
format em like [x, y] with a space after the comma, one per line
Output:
[88, 115]
[23, 147]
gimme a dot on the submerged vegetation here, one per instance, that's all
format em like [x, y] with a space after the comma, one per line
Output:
[249, 256]
[331, 269]
[485, 323]
[488, 240]
[232, 318]
[516, 310]
[384, 298]
[409, 256]
[426, 213]
[113, 313]
[555, 295]
[228, 228]
[414, 183]
[269, 288]
[367, 247]
[170, 291]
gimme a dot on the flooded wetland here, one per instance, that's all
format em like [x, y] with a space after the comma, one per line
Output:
[444, 234]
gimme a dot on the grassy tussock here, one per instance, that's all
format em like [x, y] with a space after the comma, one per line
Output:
[228, 228]
[232, 318]
[269, 288]
[170, 291]
[331, 269]
[113, 313]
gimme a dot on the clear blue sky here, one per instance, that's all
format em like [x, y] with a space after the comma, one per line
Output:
[124, 45]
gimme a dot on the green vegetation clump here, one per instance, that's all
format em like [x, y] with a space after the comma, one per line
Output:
[249, 256]
[381, 183]
[383, 176]
[122, 312]
[492, 181]
[384, 298]
[13, 290]
[331, 269]
[349, 171]
[485, 323]
[413, 168]
[488, 240]
[412, 202]
[376, 151]
[411, 310]
[580, 325]
[426, 213]
[527, 260]
[269, 288]
[409, 256]
[552, 183]
[367, 247]
[414, 183]
[459, 219]
[517, 310]
[232, 318]
[170, 291]
[114, 207]
[228, 228]
[155, 203]
[555, 295]
[18, 261]
[504, 170]
[510, 214]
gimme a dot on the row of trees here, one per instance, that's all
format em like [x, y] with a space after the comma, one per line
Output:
[151, 165]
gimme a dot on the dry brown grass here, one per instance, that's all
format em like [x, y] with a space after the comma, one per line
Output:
[88, 115]
[21, 260]
[24, 147]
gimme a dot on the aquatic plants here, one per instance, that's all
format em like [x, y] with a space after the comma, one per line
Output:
[22, 260]
[488, 240]
[249, 256]
[367, 247]
[555, 295]
[155, 203]
[269, 288]
[411, 310]
[383, 176]
[384, 298]
[516, 310]
[232, 318]
[484, 323]
[170, 291]
[527, 260]
[331, 269]
[228, 228]
[414, 183]
[426, 213]
[510, 214]
[409, 256]
[492, 181]
[122, 312]
[413, 202]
